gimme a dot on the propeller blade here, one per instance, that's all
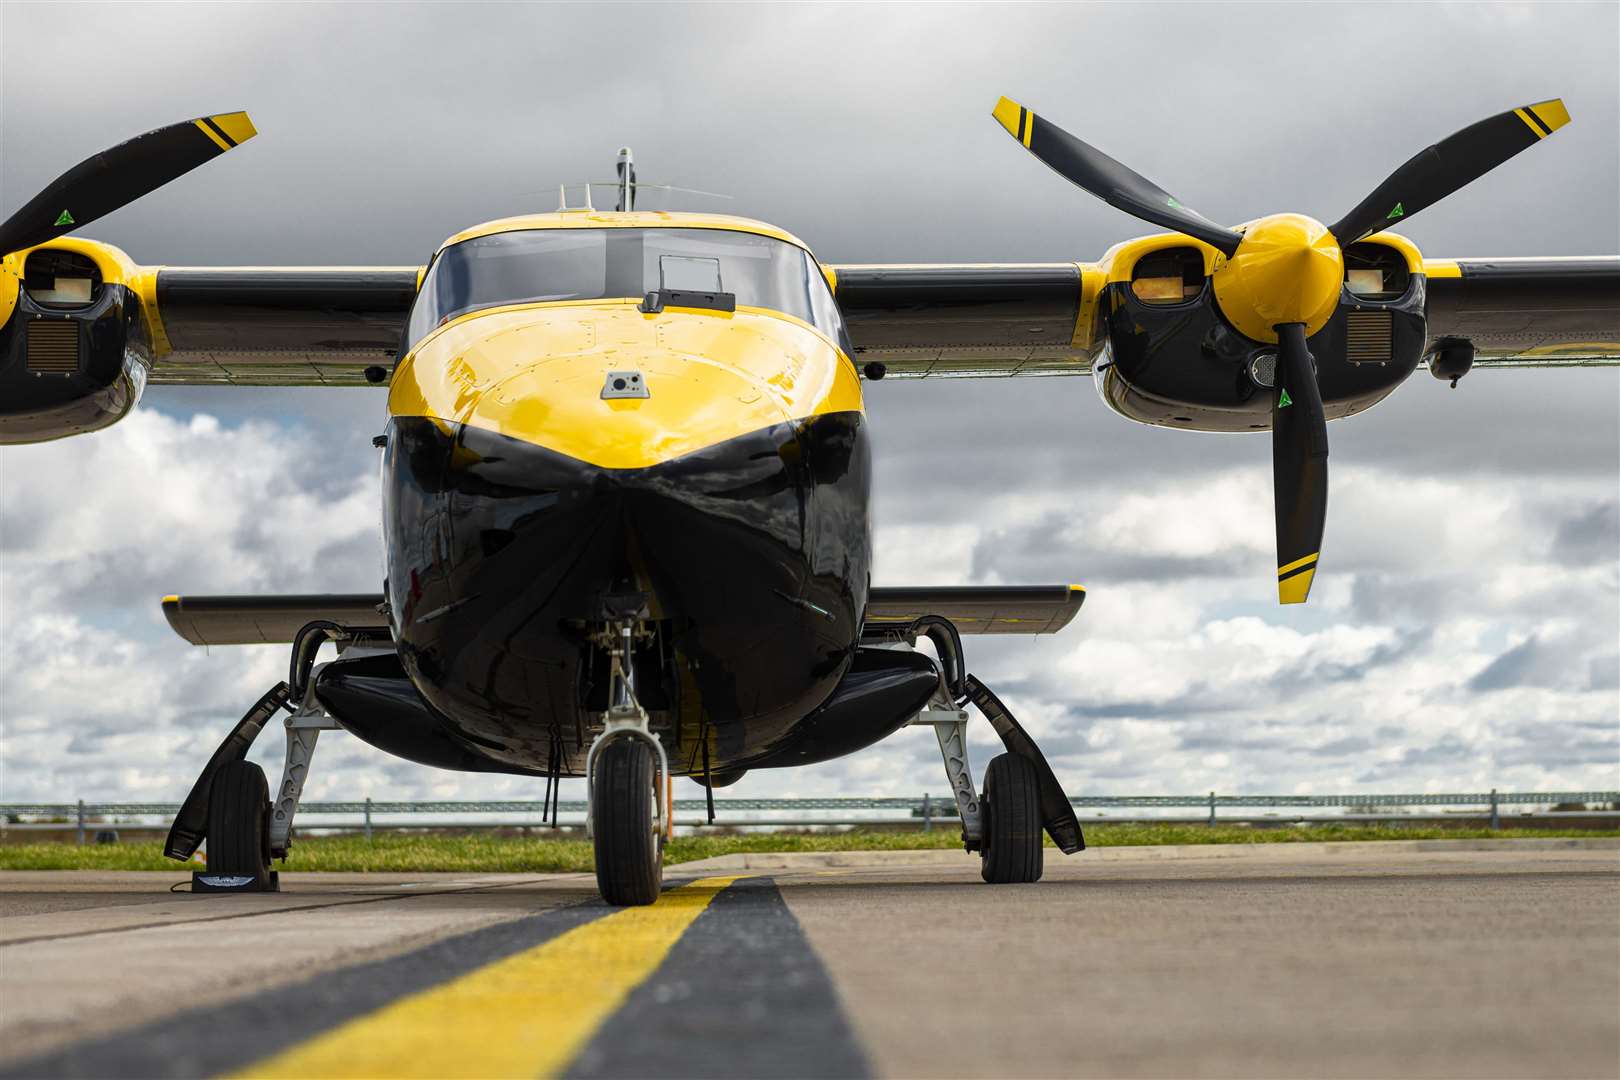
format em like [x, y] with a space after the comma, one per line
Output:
[1299, 452]
[101, 184]
[1450, 164]
[1096, 172]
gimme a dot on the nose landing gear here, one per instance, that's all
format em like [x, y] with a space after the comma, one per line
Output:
[627, 784]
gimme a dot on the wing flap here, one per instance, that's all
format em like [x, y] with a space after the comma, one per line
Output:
[266, 620]
[980, 609]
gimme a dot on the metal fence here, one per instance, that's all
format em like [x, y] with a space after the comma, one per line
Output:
[923, 811]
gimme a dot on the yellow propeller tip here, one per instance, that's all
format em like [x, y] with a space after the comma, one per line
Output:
[1007, 113]
[237, 125]
[1552, 114]
[1296, 589]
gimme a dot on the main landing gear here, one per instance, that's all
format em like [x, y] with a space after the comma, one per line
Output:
[627, 783]
[230, 803]
[1021, 797]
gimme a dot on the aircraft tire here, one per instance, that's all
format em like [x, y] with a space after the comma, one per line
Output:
[1012, 851]
[629, 851]
[239, 822]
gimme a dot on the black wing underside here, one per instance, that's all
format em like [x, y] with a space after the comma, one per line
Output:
[268, 620]
[965, 321]
[278, 326]
[1529, 312]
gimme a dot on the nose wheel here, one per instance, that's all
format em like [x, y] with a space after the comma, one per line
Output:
[627, 783]
[624, 812]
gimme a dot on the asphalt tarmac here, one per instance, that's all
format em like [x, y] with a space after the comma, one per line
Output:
[1406, 959]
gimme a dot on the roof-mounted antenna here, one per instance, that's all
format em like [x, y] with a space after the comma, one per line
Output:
[627, 179]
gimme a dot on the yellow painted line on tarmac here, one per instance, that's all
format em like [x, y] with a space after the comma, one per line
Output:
[527, 1015]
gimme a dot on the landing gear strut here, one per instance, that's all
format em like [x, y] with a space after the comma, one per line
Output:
[230, 803]
[1021, 795]
[627, 784]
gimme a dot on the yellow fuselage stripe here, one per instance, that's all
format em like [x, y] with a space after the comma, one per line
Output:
[527, 1015]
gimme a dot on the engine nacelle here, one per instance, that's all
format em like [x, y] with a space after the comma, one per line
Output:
[75, 346]
[1173, 359]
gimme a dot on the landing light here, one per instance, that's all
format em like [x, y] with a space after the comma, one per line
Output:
[1263, 369]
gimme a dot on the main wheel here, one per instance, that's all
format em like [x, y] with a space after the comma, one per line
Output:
[629, 848]
[1011, 811]
[239, 822]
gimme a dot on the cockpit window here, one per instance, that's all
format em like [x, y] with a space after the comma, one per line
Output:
[537, 265]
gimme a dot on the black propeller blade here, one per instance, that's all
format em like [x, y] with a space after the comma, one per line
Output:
[1299, 451]
[1096, 172]
[113, 178]
[1450, 164]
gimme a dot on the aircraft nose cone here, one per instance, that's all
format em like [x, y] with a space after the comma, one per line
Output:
[1288, 269]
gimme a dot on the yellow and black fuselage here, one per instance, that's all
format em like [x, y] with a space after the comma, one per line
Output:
[525, 502]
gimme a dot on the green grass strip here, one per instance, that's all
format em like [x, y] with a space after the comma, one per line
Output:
[495, 854]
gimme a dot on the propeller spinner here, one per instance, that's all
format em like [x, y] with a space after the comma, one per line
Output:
[1280, 277]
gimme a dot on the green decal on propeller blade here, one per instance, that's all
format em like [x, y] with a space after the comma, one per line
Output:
[65, 218]
[1172, 202]
[1399, 211]
[1284, 401]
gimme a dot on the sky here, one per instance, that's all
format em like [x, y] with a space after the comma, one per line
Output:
[1464, 629]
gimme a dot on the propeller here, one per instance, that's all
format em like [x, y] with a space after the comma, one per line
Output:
[1450, 164]
[1299, 452]
[113, 178]
[1281, 279]
[1092, 170]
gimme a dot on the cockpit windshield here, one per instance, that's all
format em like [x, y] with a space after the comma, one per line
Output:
[537, 265]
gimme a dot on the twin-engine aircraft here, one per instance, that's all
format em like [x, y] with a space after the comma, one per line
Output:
[625, 471]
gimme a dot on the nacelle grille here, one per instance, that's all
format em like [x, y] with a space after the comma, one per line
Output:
[53, 347]
[1367, 337]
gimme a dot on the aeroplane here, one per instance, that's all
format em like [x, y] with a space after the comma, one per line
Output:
[625, 469]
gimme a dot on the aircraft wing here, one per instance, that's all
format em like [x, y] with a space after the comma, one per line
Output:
[261, 620]
[967, 320]
[979, 609]
[1528, 312]
[323, 326]
[275, 326]
[981, 320]
[267, 620]
[310, 326]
